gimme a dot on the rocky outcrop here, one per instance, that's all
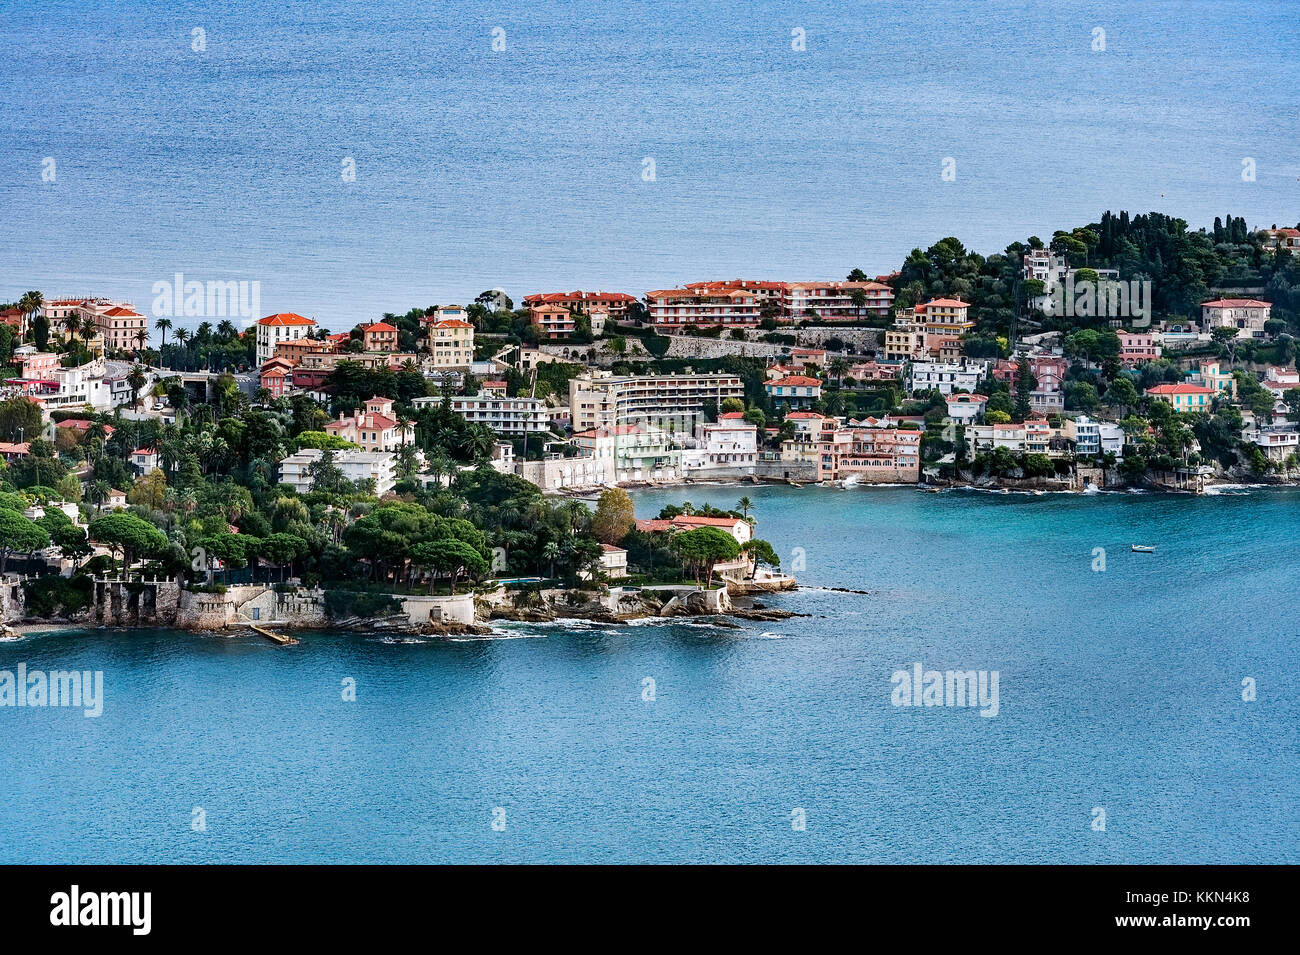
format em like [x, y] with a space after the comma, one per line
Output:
[616, 606]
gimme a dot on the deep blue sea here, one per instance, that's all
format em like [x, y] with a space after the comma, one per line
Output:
[1119, 689]
[523, 167]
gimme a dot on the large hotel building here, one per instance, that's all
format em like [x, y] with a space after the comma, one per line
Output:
[602, 400]
[739, 302]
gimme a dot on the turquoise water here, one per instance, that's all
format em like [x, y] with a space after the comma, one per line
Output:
[1118, 689]
[523, 168]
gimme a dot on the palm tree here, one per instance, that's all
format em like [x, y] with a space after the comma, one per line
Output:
[510, 514]
[141, 336]
[837, 367]
[577, 513]
[99, 491]
[88, 328]
[859, 300]
[31, 303]
[182, 336]
[744, 505]
[226, 329]
[136, 379]
[162, 325]
[551, 552]
[72, 324]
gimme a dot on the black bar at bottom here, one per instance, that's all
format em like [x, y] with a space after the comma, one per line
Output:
[217, 904]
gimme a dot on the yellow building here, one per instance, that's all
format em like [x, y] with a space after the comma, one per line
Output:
[451, 342]
[1210, 375]
[1184, 397]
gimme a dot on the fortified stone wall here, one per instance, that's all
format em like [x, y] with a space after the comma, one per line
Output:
[451, 609]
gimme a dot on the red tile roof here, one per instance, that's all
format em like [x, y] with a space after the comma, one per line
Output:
[542, 298]
[1236, 303]
[1180, 390]
[653, 526]
[285, 318]
[694, 520]
[81, 424]
[796, 381]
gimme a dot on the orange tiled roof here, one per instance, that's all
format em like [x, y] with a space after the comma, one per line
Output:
[1236, 303]
[796, 380]
[1180, 390]
[285, 318]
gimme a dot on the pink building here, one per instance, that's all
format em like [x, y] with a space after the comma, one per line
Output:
[36, 364]
[704, 305]
[1136, 348]
[615, 304]
[874, 371]
[276, 376]
[553, 320]
[374, 429]
[870, 455]
[835, 301]
[379, 337]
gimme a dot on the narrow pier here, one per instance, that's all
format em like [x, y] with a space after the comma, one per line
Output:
[278, 638]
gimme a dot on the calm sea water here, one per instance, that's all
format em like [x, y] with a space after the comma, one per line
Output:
[523, 168]
[1118, 689]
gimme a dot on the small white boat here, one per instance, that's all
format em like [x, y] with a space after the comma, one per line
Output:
[1144, 549]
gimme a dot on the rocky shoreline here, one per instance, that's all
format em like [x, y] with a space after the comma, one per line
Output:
[642, 605]
[646, 605]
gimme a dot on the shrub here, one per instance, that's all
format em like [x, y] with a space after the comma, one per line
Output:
[57, 596]
[360, 603]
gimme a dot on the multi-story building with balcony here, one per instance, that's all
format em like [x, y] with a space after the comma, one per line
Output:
[793, 391]
[375, 428]
[675, 402]
[945, 378]
[1247, 315]
[906, 339]
[553, 321]
[377, 466]
[944, 318]
[1025, 437]
[381, 336]
[836, 301]
[869, 455]
[705, 306]
[118, 323]
[614, 304]
[504, 415]
[451, 343]
[1136, 348]
[280, 327]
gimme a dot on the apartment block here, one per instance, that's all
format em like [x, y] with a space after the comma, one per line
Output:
[602, 400]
